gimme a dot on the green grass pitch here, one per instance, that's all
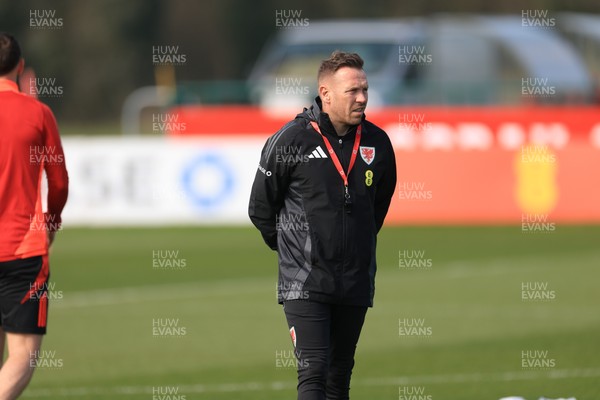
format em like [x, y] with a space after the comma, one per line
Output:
[229, 339]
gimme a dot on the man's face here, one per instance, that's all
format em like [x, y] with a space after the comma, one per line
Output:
[344, 95]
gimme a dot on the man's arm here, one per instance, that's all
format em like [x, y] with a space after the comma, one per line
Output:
[269, 189]
[385, 188]
[56, 172]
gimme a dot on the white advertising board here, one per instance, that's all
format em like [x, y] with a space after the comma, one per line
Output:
[154, 181]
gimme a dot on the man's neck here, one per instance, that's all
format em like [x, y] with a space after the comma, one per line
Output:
[9, 77]
[340, 128]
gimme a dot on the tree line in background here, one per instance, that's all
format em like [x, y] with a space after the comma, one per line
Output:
[103, 49]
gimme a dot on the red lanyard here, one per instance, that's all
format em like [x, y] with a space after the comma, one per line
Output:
[334, 157]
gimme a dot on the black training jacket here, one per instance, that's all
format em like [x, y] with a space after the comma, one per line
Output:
[297, 203]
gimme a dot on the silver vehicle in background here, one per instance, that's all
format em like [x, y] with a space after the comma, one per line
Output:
[444, 59]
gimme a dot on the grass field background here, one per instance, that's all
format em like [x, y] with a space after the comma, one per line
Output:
[107, 295]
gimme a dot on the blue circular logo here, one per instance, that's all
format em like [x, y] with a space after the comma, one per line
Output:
[207, 167]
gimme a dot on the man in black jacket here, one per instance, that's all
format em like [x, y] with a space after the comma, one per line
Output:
[320, 195]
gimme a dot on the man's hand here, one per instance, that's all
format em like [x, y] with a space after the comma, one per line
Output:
[51, 235]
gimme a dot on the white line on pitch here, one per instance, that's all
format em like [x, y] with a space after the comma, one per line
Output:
[275, 386]
[143, 294]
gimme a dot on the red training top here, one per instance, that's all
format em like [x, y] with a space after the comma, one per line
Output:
[29, 144]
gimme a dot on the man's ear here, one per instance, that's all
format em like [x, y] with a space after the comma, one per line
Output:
[324, 93]
[20, 66]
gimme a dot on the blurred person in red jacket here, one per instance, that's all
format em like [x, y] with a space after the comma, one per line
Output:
[29, 145]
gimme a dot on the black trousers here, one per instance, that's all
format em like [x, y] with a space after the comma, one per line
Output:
[325, 338]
